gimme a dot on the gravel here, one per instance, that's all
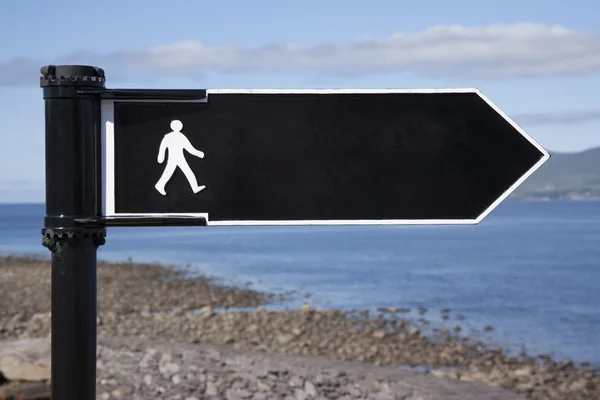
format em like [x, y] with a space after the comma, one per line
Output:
[185, 371]
[143, 305]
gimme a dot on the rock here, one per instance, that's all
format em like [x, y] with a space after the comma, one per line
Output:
[354, 392]
[147, 379]
[176, 379]
[231, 395]
[310, 389]
[122, 392]
[148, 356]
[472, 376]
[414, 331]
[285, 338]
[444, 373]
[379, 334]
[578, 385]
[300, 394]
[177, 311]
[211, 389]
[166, 356]
[25, 359]
[243, 393]
[523, 371]
[105, 396]
[206, 312]
[263, 386]
[296, 382]
[168, 368]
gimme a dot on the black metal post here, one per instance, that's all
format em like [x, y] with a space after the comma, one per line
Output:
[73, 192]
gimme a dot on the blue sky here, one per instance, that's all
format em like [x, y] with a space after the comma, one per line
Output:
[539, 63]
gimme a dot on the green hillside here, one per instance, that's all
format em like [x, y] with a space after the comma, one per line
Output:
[565, 176]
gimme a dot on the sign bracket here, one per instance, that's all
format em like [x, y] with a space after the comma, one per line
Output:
[142, 221]
[144, 94]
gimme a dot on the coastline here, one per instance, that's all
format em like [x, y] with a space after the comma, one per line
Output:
[154, 302]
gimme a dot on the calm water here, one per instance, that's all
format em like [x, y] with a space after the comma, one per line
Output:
[530, 269]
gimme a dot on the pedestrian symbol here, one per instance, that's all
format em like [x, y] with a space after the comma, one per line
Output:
[175, 142]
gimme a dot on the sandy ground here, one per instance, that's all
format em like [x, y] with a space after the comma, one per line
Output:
[150, 316]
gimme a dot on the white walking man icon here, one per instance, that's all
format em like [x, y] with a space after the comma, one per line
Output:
[175, 142]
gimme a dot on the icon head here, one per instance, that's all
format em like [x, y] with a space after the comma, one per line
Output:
[176, 125]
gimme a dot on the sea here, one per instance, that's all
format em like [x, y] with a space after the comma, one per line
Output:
[531, 269]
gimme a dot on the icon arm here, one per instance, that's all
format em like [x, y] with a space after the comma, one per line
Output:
[192, 150]
[162, 151]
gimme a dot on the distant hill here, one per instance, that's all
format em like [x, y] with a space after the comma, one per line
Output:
[565, 176]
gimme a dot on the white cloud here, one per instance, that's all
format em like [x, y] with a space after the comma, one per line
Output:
[487, 52]
[498, 51]
[554, 118]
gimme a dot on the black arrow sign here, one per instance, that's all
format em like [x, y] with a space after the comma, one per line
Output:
[267, 157]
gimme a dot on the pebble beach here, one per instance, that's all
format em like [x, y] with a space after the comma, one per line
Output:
[163, 334]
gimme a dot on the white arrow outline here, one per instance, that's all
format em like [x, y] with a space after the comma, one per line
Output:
[108, 160]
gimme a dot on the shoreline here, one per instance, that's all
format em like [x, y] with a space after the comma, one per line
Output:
[153, 301]
[279, 299]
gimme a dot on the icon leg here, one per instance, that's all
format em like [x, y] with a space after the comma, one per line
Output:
[168, 172]
[189, 174]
